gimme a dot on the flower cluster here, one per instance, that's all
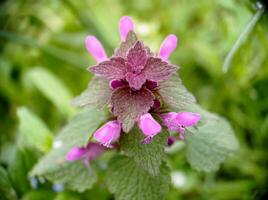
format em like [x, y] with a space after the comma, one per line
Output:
[133, 75]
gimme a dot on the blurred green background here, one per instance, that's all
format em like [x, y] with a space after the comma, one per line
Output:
[43, 66]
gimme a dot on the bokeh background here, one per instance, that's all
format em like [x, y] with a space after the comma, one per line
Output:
[43, 66]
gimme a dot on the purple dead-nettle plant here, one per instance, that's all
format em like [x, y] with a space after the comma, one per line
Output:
[130, 81]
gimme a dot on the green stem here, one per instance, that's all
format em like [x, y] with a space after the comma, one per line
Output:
[241, 39]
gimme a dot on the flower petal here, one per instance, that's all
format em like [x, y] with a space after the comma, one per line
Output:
[168, 46]
[95, 48]
[113, 69]
[137, 57]
[108, 133]
[125, 25]
[169, 120]
[76, 153]
[158, 70]
[181, 133]
[187, 118]
[94, 150]
[129, 105]
[148, 125]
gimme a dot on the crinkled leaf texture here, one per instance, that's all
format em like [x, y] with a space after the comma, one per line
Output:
[128, 181]
[74, 175]
[210, 143]
[175, 95]
[125, 46]
[97, 95]
[147, 156]
[130, 105]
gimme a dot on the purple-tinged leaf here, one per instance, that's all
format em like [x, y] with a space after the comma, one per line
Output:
[158, 70]
[135, 81]
[111, 69]
[125, 46]
[97, 94]
[129, 105]
[137, 57]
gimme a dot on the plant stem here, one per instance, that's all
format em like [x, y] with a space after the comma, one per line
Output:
[241, 39]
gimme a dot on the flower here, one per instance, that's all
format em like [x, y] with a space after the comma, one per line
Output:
[149, 127]
[95, 48]
[168, 46]
[132, 82]
[179, 121]
[88, 153]
[108, 133]
[136, 68]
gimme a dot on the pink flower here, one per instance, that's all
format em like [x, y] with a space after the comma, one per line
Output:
[136, 68]
[179, 121]
[138, 65]
[95, 48]
[149, 127]
[168, 46]
[88, 153]
[125, 25]
[108, 133]
[134, 74]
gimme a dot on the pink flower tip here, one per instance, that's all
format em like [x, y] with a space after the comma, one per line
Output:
[179, 121]
[169, 120]
[108, 133]
[91, 151]
[168, 46]
[125, 25]
[187, 118]
[95, 48]
[76, 153]
[149, 127]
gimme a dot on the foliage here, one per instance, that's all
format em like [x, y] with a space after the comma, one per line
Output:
[43, 66]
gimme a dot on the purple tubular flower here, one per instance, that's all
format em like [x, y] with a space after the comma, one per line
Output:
[149, 127]
[125, 25]
[108, 133]
[168, 46]
[95, 48]
[116, 83]
[88, 153]
[157, 104]
[171, 140]
[179, 121]
[169, 120]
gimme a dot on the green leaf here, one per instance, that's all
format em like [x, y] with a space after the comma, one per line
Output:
[6, 190]
[33, 131]
[52, 88]
[211, 143]
[175, 95]
[97, 94]
[74, 175]
[128, 181]
[19, 168]
[148, 156]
